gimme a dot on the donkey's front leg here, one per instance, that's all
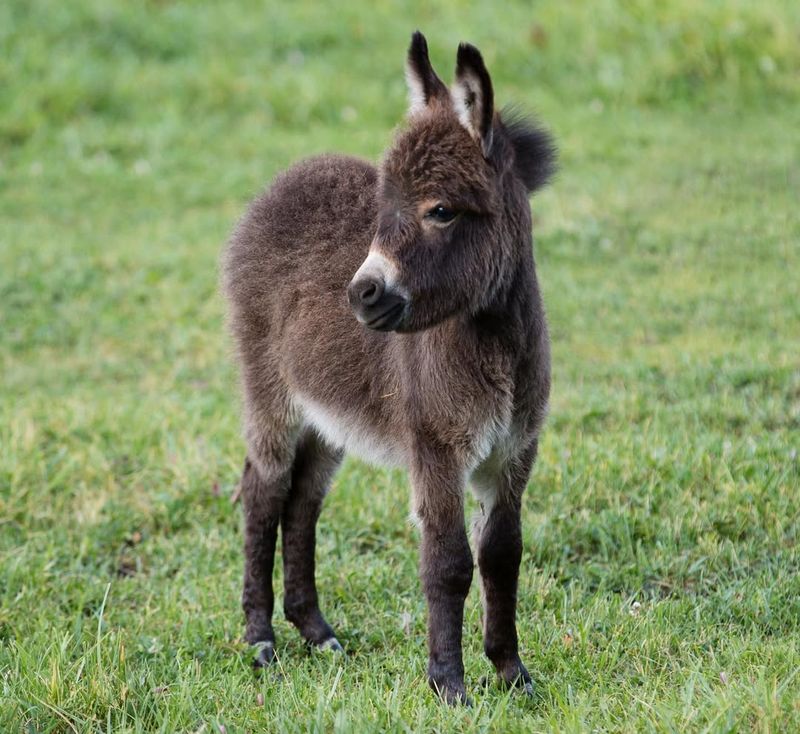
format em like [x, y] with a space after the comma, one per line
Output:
[446, 572]
[498, 536]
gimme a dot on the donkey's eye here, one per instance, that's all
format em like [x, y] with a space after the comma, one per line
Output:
[441, 214]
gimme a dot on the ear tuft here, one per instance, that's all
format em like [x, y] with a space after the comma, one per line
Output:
[535, 152]
[423, 84]
[473, 96]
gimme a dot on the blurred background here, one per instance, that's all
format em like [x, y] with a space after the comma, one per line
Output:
[132, 135]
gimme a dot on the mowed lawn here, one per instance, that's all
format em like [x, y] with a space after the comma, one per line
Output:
[660, 585]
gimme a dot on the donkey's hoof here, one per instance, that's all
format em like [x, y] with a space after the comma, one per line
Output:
[525, 686]
[332, 645]
[527, 689]
[511, 674]
[265, 654]
[520, 683]
[453, 694]
[515, 675]
[456, 698]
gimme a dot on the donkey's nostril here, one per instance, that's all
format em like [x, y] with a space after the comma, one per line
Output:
[370, 291]
[375, 304]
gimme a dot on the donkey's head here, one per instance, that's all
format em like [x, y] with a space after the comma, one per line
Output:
[453, 217]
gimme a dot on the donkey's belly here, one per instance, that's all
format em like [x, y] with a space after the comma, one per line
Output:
[348, 431]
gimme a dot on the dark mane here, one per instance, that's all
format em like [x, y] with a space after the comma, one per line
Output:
[534, 148]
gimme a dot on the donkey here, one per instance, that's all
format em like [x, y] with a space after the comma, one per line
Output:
[394, 313]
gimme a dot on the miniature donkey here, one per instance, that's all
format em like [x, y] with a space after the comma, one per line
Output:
[394, 313]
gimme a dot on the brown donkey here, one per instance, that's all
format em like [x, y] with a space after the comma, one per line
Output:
[394, 313]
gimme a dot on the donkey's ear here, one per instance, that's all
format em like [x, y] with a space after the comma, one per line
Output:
[473, 96]
[423, 84]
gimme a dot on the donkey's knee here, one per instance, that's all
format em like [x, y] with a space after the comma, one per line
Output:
[499, 544]
[451, 576]
[447, 568]
[262, 504]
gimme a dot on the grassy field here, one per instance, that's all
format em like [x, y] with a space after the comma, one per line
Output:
[660, 587]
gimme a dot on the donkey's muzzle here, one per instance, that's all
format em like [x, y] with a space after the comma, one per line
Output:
[375, 305]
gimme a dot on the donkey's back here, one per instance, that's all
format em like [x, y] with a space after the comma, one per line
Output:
[300, 241]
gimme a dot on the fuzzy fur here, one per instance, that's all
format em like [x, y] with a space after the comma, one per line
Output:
[457, 389]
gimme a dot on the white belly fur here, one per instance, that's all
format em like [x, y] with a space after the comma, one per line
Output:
[492, 449]
[345, 432]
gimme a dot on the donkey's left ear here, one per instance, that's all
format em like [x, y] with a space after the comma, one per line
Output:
[473, 96]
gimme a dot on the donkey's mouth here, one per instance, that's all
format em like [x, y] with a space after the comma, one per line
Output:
[390, 319]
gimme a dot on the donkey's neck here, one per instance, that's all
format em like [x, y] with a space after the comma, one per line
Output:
[506, 324]
[508, 316]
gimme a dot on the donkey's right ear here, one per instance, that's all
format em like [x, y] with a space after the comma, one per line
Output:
[423, 84]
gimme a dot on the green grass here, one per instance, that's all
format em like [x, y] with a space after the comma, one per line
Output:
[660, 587]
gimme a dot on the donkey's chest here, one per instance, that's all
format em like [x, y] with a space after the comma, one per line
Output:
[472, 412]
[471, 427]
[354, 432]
[475, 429]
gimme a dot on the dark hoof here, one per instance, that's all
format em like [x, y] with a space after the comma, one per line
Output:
[514, 675]
[527, 689]
[456, 698]
[331, 645]
[461, 700]
[265, 654]
[521, 683]
[452, 694]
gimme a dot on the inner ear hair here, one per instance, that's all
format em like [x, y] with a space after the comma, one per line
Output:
[474, 96]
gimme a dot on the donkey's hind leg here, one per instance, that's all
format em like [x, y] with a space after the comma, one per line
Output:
[264, 488]
[314, 465]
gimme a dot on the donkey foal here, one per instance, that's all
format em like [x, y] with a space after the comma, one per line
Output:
[394, 313]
